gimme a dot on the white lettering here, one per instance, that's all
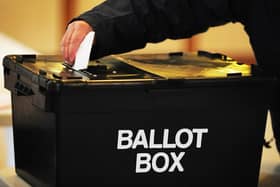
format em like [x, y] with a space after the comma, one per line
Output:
[124, 136]
[143, 163]
[165, 161]
[184, 138]
[160, 162]
[152, 141]
[177, 162]
[199, 136]
[140, 140]
[179, 136]
[166, 145]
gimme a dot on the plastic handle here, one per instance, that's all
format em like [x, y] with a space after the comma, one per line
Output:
[22, 90]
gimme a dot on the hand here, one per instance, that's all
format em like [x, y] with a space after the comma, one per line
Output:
[74, 35]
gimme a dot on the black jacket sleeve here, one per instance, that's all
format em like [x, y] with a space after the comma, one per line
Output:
[124, 25]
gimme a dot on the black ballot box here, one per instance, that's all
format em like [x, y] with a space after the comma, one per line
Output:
[178, 119]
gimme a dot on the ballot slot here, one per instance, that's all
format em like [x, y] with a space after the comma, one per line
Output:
[67, 74]
[111, 68]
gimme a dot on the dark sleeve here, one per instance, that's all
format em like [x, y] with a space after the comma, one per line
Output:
[125, 25]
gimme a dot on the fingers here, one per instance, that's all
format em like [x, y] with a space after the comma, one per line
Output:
[72, 39]
[65, 44]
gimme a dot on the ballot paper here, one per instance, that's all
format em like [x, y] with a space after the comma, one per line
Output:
[83, 53]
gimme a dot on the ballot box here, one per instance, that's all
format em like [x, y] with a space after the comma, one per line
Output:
[178, 119]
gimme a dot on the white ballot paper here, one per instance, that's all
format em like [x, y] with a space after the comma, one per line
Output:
[83, 53]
